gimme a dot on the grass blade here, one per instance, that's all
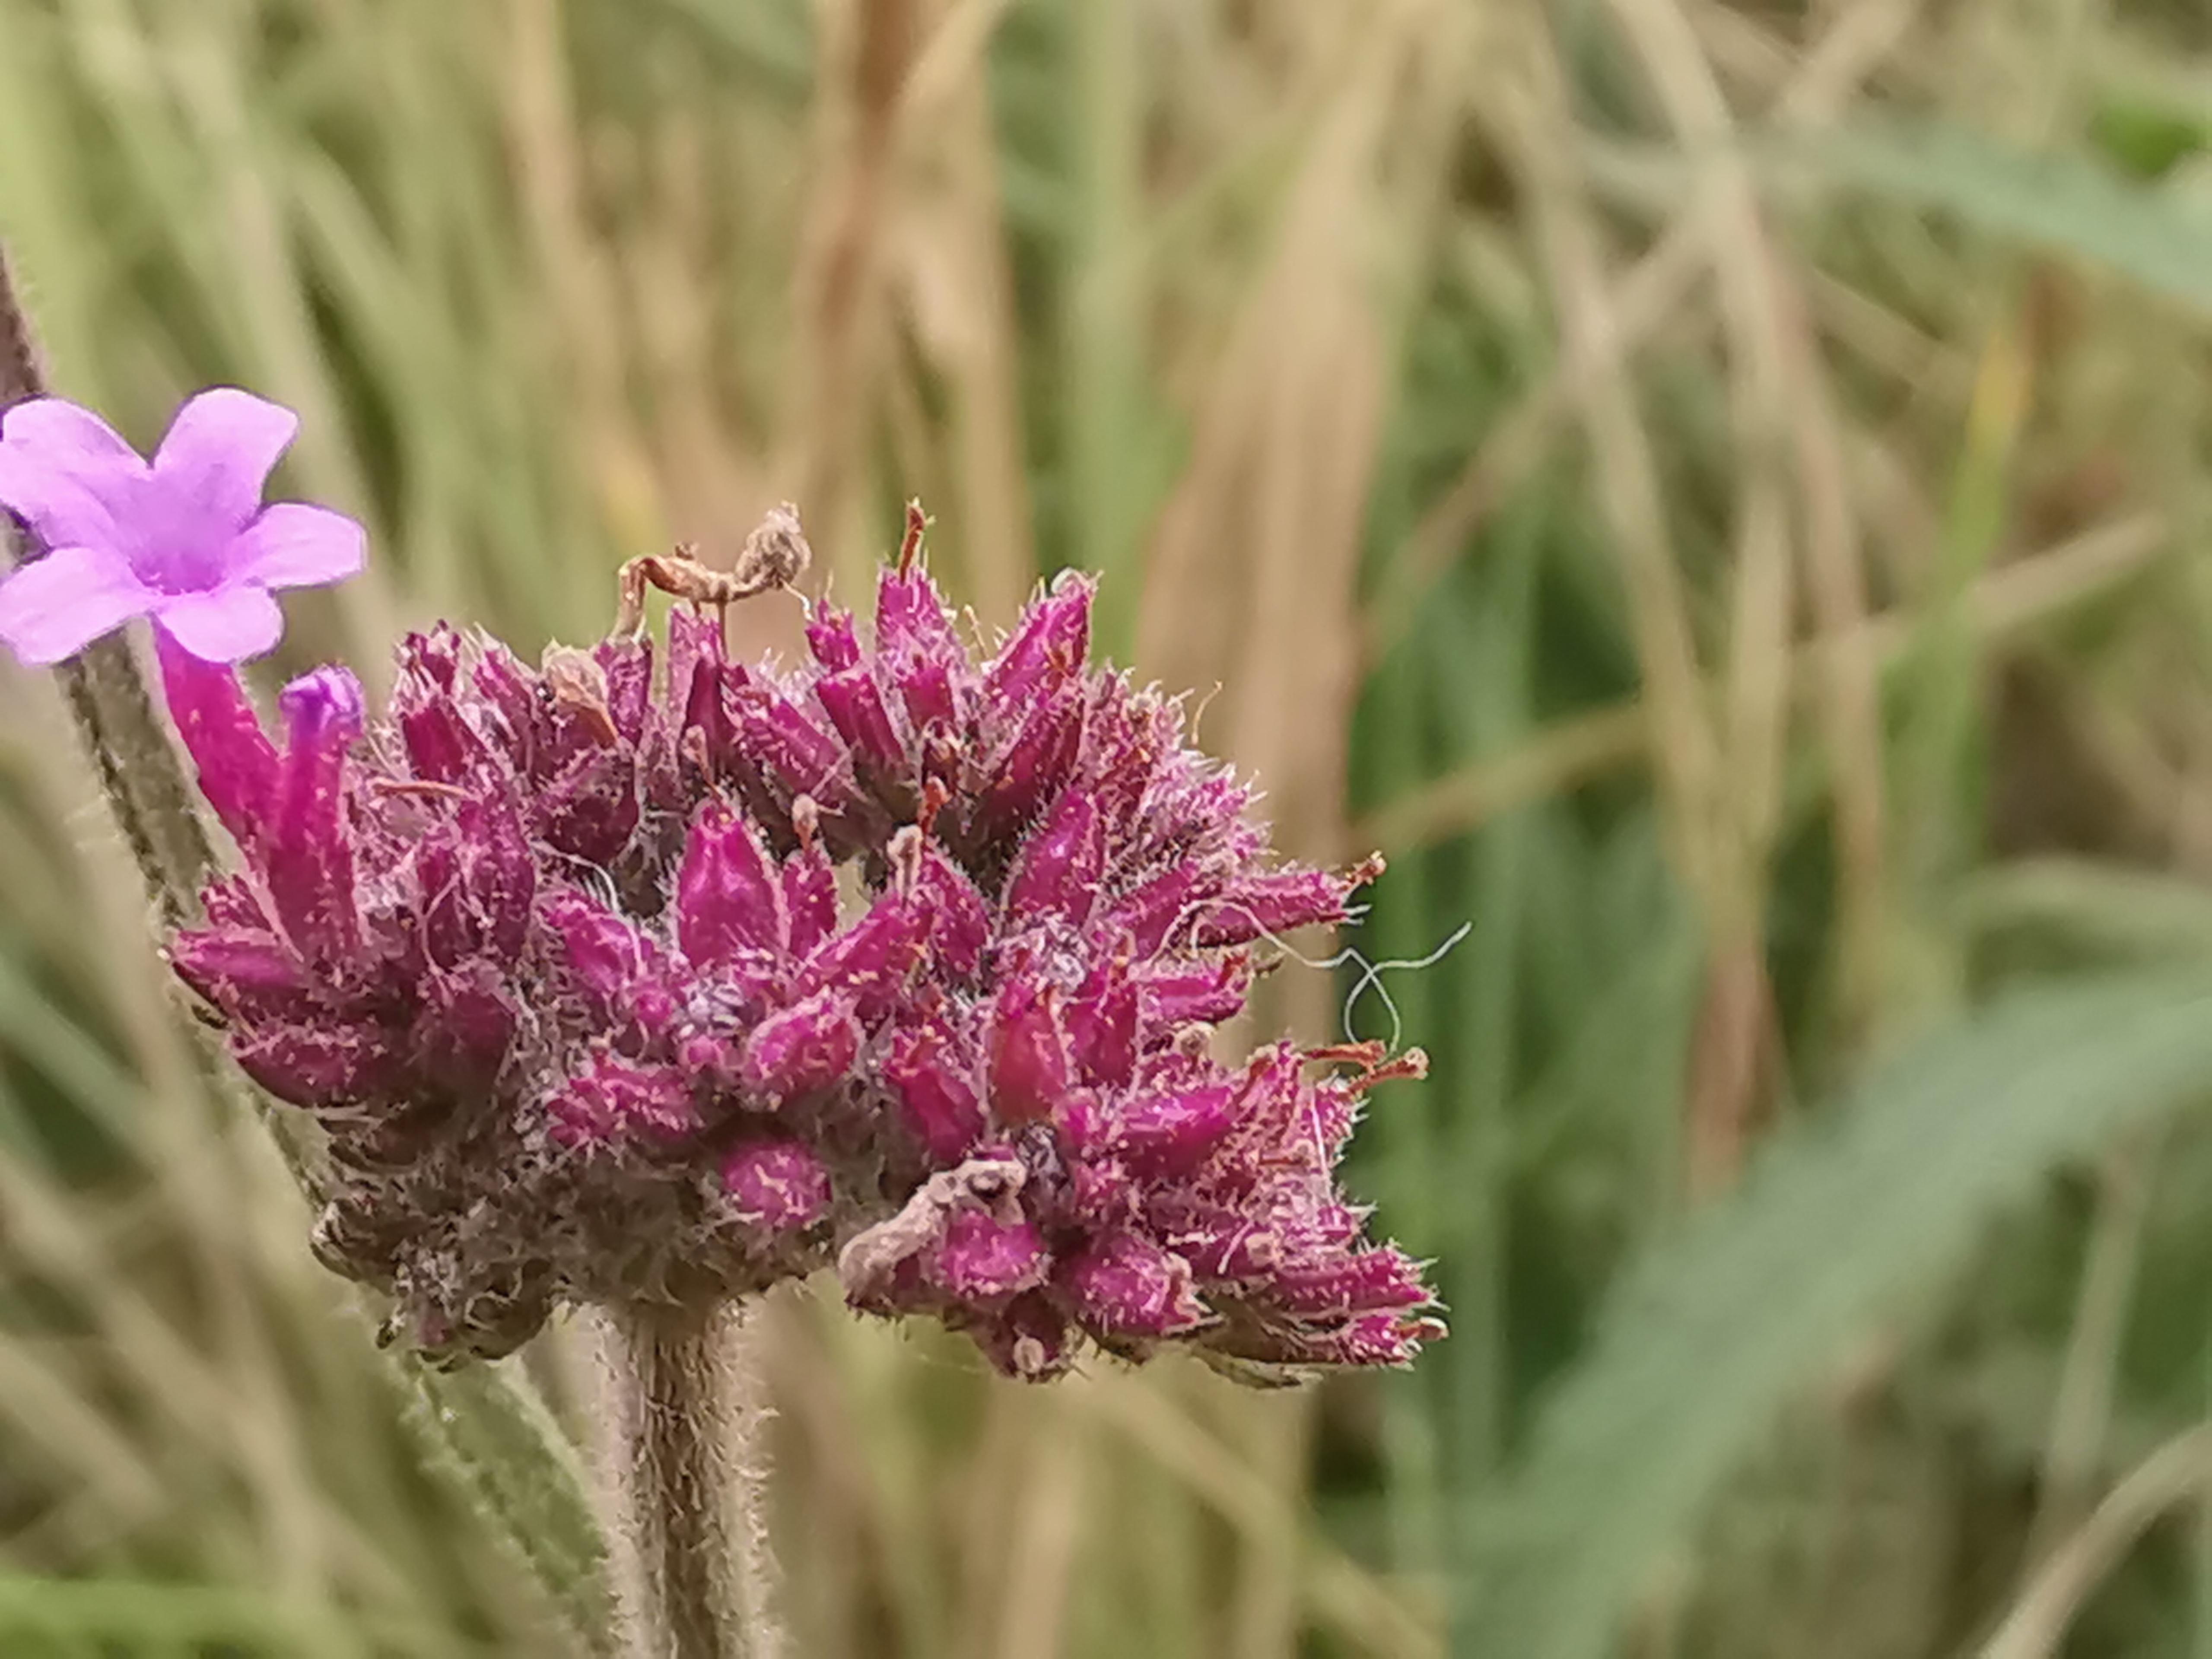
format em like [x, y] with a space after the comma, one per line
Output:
[1837, 1221]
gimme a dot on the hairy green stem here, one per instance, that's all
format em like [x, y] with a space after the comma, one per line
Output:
[681, 1464]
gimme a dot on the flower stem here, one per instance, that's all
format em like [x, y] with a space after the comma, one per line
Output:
[681, 1473]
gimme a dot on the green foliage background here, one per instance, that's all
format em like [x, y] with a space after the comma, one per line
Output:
[1716, 489]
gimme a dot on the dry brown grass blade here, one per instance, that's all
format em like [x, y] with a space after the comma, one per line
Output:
[1823, 81]
[2077, 1439]
[841, 328]
[1253, 567]
[833, 1515]
[1649, 295]
[1572, 751]
[191, 1392]
[2176, 1471]
[1048, 1528]
[1849, 704]
[544, 143]
[52, 1403]
[1538, 131]
[1372, 1616]
[1736, 1050]
[708, 479]
[982, 1522]
[1250, 575]
[957, 289]
[1274, 1432]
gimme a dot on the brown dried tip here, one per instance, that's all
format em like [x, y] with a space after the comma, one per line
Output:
[1364, 1054]
[1366, 869]
[934, 795]
[776, 554]
[1371, 1057]
[806, 820]
[910, 544]
[1410, 1066]
[427, 788]
[579, 685]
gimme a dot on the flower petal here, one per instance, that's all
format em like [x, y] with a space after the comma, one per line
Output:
[728, 898]
[803, 1049]
[229, 624]
[55, 606]
[308, 864]
[236, 763]
[218, 454]
[292, 544]
[66, 473]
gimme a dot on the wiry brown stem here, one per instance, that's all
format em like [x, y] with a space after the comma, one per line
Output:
[19, 359]
[138, 770]
[680, 1462]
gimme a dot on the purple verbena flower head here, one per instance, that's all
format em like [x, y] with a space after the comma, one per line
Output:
[183, 539]
[561, 960]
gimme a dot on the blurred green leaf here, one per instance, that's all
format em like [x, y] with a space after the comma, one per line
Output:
[1840, 1221]
[2092, 910]
[2062, 202]
[36, 1611]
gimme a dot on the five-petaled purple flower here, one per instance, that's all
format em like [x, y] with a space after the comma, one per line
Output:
[183, 539]
[561, 961]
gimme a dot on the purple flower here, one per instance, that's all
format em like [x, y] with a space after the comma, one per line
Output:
[558, 957]
[184, 539]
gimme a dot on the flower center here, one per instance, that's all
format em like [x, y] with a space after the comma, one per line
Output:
[173, 543]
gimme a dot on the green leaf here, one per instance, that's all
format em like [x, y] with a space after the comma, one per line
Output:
[2093, 910]
[2062, 202]
[1839, 1221]
[486, 1430]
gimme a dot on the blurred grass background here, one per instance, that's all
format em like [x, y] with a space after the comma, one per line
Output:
[1716, 489]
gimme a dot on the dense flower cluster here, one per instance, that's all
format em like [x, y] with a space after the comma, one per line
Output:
[609, 983]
